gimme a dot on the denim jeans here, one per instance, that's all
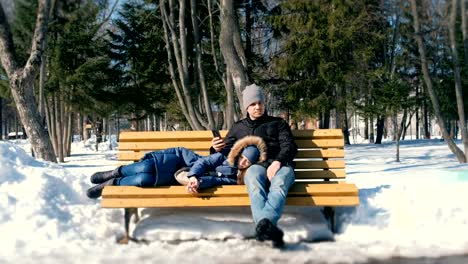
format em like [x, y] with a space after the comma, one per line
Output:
[267, 199]
[141, 174]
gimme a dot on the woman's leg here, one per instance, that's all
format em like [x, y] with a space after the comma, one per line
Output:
[140, 180]
[144, 166]
[141, 174]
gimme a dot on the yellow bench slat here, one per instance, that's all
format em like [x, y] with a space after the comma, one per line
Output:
[319, 143]
[195, 145]
[318, 133]
[205, 145]
[320, 174]
[315, 189]
[320, 164]
[225, 201]
[320, 153]
[157, 136]
[134, 156]
[314, 153]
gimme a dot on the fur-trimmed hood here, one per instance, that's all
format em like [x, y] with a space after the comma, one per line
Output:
[239, 146]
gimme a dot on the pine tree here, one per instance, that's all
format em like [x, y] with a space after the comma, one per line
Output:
[138, 52]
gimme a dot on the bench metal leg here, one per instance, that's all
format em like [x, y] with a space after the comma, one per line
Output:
[128, 212]
[329, 213]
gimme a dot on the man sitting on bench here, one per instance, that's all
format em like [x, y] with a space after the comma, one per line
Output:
[268, 183]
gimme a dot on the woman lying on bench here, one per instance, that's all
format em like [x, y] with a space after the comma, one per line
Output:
[157, 168]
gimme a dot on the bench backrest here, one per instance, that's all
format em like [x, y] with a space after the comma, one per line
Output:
[320, 156]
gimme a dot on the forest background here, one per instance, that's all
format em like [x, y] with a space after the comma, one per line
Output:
[70, 67]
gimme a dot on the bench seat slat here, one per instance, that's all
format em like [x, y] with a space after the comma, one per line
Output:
[320, 174]
[225, 201]
[318, 133]
[298, 189]
[163, 136]
[320, 153]
[204, 145]
[319, 143]
[319, 164]
[150, 146]
[313, 153]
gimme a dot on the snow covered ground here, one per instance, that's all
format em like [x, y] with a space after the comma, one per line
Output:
[412, 209]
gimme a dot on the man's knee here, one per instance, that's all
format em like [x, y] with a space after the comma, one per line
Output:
[284, 177]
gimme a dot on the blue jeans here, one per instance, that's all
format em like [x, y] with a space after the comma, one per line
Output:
[141, 174]
[267, 199]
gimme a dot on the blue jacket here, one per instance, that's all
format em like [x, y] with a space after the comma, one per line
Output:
[213, 170]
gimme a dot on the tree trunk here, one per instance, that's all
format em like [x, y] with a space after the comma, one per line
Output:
[21, 80]
[49, 112]
[212, 40]
[59, 126]
[371, 129]
[1, 118]
[430, 89]
[417, 113]
[68, 134]
[176, 46]
[380, 129]
[42, 76]
[201, 74]
[427, 134]
[234, 57]
[230, 102]
[366, 128]
[345, 127]
[456, 73]
[464, 30]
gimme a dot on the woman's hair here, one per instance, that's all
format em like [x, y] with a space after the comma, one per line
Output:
[237, 149]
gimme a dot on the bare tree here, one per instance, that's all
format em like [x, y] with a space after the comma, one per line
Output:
[456, 73]
[464, 28]
[199, 68]
[175, 36]
[22, 79]
[430, 88]
[231, 47]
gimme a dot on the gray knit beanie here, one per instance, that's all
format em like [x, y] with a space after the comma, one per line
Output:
[252, 93]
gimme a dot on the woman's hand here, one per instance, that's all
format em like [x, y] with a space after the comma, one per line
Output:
[192, 185]
[217, 143]
[272, 169]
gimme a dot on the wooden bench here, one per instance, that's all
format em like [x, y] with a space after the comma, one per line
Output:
[320, 174]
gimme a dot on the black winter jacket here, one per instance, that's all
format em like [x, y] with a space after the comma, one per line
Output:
[275, 132]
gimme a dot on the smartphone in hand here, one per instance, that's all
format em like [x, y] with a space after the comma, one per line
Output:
[216, 133]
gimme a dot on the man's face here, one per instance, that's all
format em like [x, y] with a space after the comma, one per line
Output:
[256, 110]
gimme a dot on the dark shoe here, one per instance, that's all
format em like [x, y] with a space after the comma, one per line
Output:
[96, 191]
[103, 176]
[266, 230]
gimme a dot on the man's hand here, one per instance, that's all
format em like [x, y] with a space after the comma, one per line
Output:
[272, 169]
[217, 143]
[192, 185]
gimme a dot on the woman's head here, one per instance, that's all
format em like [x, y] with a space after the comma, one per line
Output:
[245, 152]
[250, 155]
